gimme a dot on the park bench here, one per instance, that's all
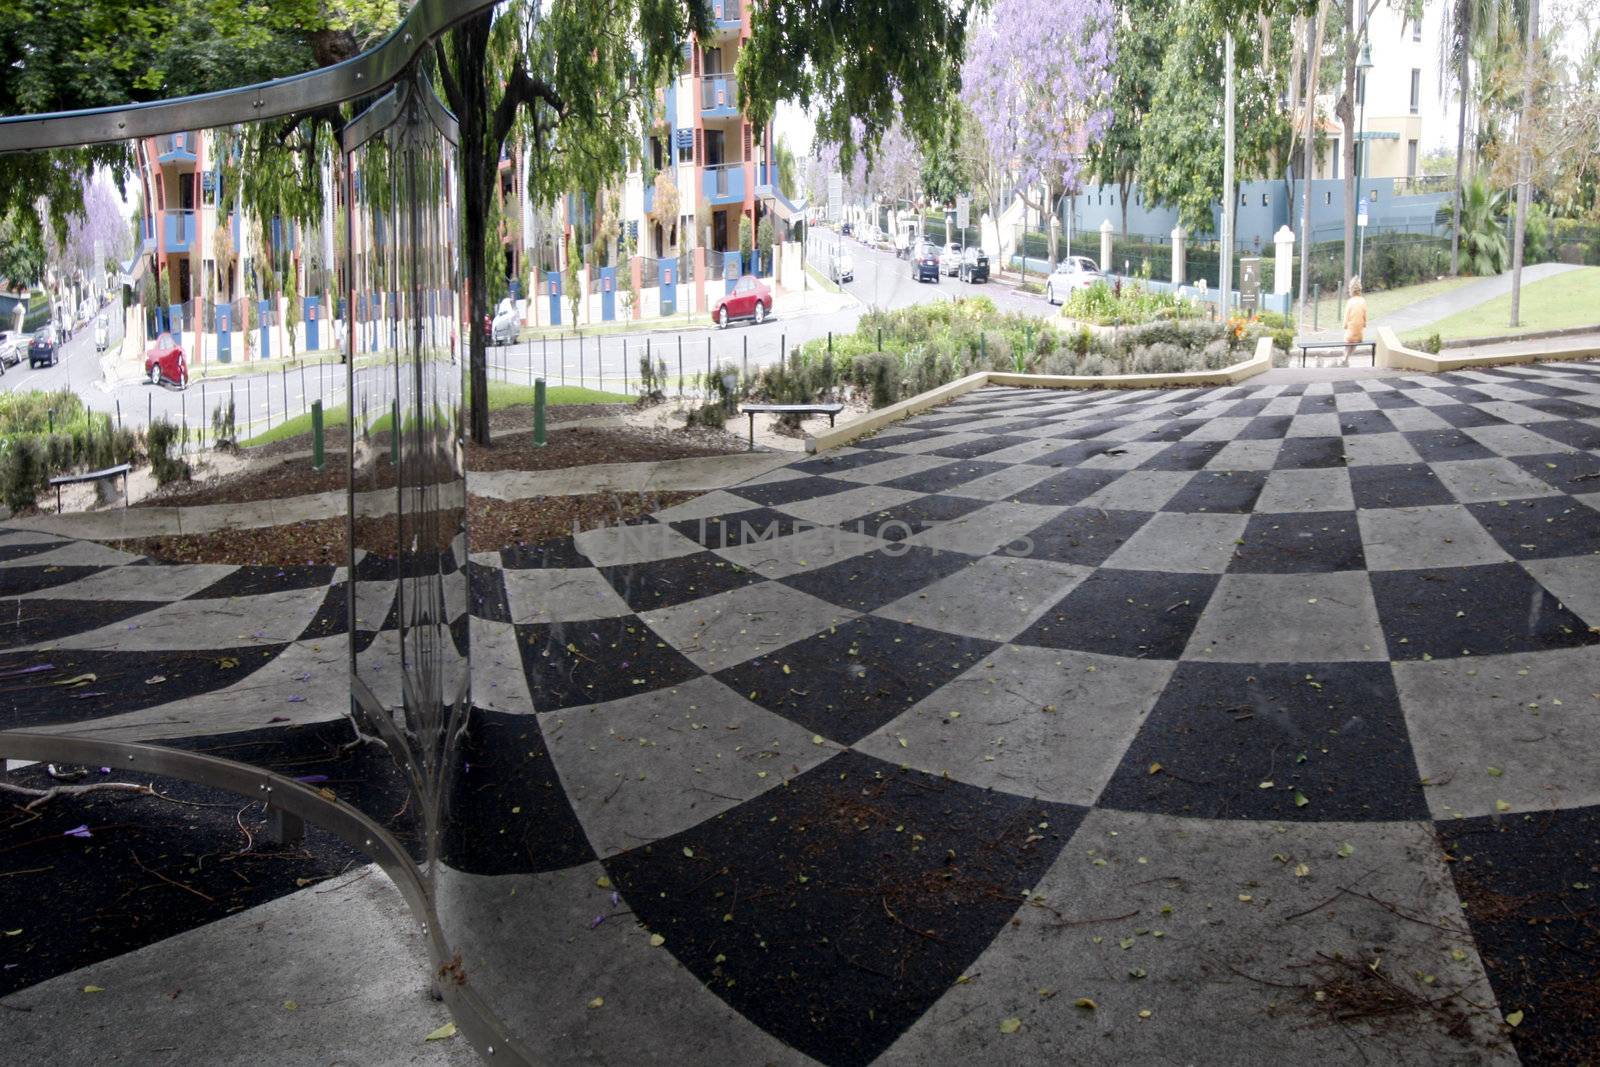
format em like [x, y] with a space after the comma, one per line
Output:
[830, 410]
[1347, 346]
[92, 476]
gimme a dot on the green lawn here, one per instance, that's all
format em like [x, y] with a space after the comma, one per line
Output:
[1330, 309]
[501, 395]
[679, 321]
[1570, 299]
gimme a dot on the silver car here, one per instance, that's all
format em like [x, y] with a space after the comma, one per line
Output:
[505, 326]
[950, 259]
[1071, 274]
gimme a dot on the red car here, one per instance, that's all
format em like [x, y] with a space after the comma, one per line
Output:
[165, 362]
[750, 299]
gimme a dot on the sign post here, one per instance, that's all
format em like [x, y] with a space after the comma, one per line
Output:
[1250, 284]
[1361, 236]
[963, 216]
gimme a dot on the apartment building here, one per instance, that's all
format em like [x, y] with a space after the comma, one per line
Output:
[1401, 113]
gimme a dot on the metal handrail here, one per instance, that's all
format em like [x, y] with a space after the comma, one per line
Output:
[370, 72]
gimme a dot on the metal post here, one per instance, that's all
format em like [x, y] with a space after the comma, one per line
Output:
[783, 349]
[580, 362]
[1229, 195]
[680, 365]
[303, 393]
[286, 392]
[538, 414]
[249, 412]
[561, 343]
[203, 410]
[1316, 301]
[708, 366]
[119, 413]
[149, 411]
[317, 457]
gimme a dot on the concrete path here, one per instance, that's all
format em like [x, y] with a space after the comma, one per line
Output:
[1434, 309]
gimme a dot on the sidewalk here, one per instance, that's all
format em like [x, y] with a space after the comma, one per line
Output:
[1427, 312]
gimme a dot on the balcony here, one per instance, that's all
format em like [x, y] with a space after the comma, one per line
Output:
[723, 184]
[179, 230]
[719, 96]
[726, 15]
[176, 147]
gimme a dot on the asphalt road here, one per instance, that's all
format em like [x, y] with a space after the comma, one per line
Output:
[610, 362]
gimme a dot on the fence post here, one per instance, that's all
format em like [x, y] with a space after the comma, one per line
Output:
[561, 343]
[1179, 255]
[680, 366]
[580, 361]
[708, 364]
[149, 411]
[203, 410]
[624, 366]
[286, 392]
[746, 360]
[119, 413]
[317, 457]
[1316, 302]
[249, 412]
[303, 393]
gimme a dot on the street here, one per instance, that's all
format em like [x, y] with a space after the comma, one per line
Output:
[610, 362]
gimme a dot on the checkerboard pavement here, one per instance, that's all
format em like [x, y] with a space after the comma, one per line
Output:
[1176, 701]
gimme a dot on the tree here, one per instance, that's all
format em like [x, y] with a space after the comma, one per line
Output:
[1181, 150]
[1481, 225]
[788, 168]
[1037, 78]
[21, 252]
[1465, 25]
[1142, 35]
[745, 241]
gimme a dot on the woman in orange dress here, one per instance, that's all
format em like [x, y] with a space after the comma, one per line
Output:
[1355, 314]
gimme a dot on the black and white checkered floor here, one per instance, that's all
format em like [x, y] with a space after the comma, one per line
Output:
[1211, 726]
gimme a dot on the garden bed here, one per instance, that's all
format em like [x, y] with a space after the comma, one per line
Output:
[493, 525]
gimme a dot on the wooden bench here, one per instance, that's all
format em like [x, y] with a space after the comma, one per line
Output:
[92, 476]
[1348, 346]
[830, 410]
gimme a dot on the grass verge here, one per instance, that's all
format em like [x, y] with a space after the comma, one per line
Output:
[501, 395]
[1566, 300]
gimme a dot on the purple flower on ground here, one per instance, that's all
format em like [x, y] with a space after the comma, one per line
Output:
[78, 831]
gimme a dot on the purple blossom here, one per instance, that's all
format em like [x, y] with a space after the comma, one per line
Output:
[78, 831]
[1038, 78]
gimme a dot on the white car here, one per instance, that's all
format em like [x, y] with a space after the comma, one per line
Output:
[12, 344]
[504, 329]
[950, 259]
[102, 333]
[1071, 274]
[841, 267]
[871, 235]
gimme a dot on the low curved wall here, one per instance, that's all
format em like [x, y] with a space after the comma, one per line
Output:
[1259, 363]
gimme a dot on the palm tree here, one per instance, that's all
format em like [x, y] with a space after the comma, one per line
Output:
[1466, 25]
[1480, 228]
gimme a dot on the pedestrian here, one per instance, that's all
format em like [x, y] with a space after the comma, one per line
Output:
[1355, 314]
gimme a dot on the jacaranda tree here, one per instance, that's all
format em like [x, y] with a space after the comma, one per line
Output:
[1038, 77]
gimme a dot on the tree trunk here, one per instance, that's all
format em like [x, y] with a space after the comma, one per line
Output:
[1524, 162]
[1346, 109]
[1465, 82]
[1123, 187]
[471, 44]
[1313, 65]
[1052, 223]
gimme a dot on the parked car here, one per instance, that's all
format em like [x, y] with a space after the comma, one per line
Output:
[925, 262]
[11, 345]
[950, 259]
[164, 362]
[841, 266]
[871, 235]
[974, 265]
[847, 229]
[102, 334]
[44, 348]
[1072, 273]
[503, 328]
[750, 299]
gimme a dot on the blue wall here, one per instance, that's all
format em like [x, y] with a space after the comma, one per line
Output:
[1257, 221]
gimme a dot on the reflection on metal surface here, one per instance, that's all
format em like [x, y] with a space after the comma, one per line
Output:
[408, 551]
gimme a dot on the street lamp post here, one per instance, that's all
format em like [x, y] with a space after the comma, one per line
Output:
[1362, 67]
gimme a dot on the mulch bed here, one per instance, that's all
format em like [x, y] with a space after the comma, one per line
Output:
[580, 446]
[493, 525]
[286, 478]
